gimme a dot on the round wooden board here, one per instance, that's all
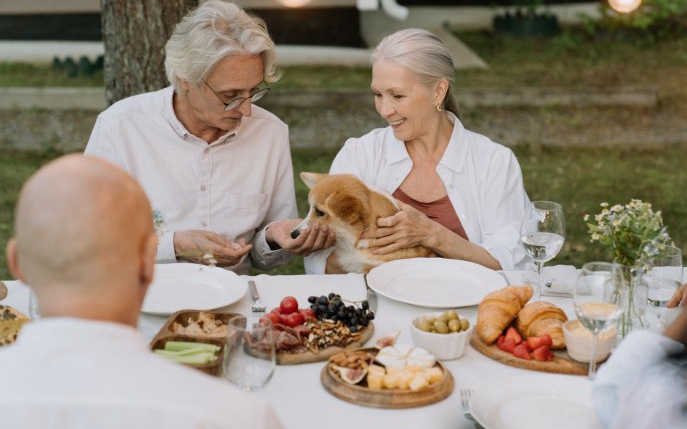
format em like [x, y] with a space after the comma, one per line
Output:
[561, 363]
[324, 354]
[361, 395]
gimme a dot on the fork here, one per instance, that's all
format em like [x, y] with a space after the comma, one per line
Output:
[257, 306]
[465, 394]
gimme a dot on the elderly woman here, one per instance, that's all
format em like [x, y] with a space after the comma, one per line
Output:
[461, 194]
[217, 167]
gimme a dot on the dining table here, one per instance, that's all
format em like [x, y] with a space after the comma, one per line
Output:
[298, 395]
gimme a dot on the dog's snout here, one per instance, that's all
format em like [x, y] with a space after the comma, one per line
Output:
[297, 230]
[295, 233]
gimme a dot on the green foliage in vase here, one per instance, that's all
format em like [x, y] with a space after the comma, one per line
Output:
[633, 233]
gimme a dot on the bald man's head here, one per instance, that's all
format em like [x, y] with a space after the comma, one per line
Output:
[81, 222]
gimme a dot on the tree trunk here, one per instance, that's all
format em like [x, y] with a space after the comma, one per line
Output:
[135, 33]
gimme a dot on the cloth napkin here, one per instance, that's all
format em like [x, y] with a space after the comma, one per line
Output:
[272, 289]
[557, 280]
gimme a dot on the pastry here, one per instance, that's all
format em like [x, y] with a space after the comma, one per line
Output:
[541, 318]
[11, 322]
[498, 309]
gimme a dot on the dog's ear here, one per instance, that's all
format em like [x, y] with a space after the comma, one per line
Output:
[311, 179]
[346, 207]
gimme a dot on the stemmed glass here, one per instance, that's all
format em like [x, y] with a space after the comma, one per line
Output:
[599, 299]
[249, 355]
[542, 233]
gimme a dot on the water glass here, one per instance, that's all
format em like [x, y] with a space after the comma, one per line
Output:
[34, 311]
[249, 356]
[664, 277]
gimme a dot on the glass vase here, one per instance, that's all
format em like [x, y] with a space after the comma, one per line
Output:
[634, 316]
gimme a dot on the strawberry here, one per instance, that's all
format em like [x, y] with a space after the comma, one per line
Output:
[521, 351]
[507, 345]
[500, 340]
[543, 353]
[512, 333]
[542, 340]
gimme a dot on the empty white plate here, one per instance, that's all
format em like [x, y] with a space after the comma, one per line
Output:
[555, 401]
[186, 286]
[434, 282]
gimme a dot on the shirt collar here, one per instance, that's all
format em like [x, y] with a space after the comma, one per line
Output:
[181, 130]
[454, 155]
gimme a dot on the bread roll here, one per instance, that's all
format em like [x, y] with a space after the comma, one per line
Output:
[498, 309]
[539, 318]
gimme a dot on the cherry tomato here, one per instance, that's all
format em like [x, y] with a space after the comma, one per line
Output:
[307, 313]
[274, 318]
[294, 319]
[288, 305]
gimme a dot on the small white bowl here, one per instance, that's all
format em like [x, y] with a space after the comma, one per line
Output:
[442, 346]
[579, 341]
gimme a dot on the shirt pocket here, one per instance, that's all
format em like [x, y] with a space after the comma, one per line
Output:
[245, 211]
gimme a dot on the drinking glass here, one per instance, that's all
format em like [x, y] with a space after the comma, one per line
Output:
[34, 310]
[542, 233]
[249, 355]
[664, 277]
[600, 297]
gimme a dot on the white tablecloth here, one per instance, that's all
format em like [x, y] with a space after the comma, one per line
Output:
[299, 398]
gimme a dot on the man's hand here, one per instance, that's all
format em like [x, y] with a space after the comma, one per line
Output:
[194, 245]
[312, 238]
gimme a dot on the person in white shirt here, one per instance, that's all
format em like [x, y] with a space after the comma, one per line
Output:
[85, 243]
[461, 194]
[215, 166]
[644, 383]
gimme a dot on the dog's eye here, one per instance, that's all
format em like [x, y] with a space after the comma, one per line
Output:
[319, 213]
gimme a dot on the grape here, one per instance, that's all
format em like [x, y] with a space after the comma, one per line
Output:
[332, 307]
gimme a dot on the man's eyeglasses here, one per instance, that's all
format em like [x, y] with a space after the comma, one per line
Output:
[233, 104]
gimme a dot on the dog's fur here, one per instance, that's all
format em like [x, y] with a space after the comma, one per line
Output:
[349, 207]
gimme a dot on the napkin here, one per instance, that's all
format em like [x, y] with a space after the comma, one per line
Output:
[272, 289]
[557, 280]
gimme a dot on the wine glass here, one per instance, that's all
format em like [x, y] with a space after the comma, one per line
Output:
[664, 277]
[542, 233]
[249, 355]
[599, 300]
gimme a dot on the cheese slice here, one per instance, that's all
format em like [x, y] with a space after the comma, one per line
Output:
[402, 355]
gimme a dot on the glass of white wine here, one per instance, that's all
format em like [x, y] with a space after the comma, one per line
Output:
[542, 233]
[599, 300]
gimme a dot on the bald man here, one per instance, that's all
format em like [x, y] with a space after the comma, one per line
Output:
[85, 244]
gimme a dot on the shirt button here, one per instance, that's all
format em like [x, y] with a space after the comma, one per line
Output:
[202, 188]
[204, 223]
[206, 150]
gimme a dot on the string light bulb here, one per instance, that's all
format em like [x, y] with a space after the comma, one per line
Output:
[294, 3]
[624, 6]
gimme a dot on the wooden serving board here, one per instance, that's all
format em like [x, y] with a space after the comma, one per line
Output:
[183, 316]
[324, 354]
[562, 363]
[392, 398]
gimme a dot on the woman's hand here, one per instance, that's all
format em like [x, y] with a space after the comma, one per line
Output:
[679, 298]
[407, 228]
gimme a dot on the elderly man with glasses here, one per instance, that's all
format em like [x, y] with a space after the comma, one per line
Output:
[216, 167]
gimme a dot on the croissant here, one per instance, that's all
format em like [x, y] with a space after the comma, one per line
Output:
[540, 318]
[498, 309]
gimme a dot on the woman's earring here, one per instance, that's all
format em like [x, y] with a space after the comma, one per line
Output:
[439, 108]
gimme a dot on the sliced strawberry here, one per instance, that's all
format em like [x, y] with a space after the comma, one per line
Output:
[521, 351]
[543, 353]
[507, 345]
[542, 340]
[512, 333]
[527, 346]
[500, 340]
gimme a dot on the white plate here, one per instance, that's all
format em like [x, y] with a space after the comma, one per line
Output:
[561, 402]
[191, 286]
[434, 282]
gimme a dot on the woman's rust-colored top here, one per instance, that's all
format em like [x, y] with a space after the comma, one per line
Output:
[440, 211]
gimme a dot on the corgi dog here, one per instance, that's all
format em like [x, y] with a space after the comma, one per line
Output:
[349, 207]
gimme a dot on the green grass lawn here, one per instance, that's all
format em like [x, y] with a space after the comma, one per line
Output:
[580, 179]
